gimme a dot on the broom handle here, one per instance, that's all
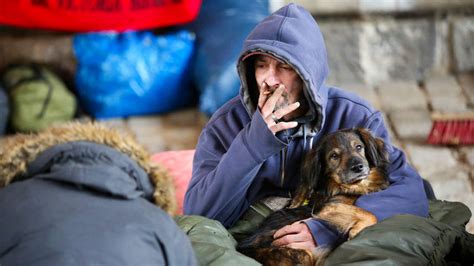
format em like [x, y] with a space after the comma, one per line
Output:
[452, 116]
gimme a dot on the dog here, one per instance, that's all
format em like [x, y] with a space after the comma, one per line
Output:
[341, 167]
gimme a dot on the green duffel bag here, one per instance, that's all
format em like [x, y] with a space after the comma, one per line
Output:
[38, 98]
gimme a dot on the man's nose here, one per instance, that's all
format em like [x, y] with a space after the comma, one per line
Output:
[272, 78]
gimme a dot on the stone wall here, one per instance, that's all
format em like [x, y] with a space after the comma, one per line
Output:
[45, 47]
[381, 48]
[377, 41]
[331, 7]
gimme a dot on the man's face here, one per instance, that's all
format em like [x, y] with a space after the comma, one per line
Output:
[273, 72]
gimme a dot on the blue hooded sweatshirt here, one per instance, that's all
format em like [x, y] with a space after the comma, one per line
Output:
[238, 160]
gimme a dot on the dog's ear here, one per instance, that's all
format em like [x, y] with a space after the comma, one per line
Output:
[375, 150]
[310, 171]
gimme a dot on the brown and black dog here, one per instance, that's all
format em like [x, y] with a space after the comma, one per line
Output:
[341, 167]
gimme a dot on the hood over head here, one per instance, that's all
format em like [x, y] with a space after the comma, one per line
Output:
[292, 36]
[123, 165]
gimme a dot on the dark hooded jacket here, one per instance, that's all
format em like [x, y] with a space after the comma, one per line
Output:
[239, 161]
[85, 195]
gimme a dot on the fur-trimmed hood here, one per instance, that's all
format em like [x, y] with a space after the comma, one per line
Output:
[20, 152]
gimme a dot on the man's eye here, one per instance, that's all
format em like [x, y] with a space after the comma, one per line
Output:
[286, 67]
[359, 147]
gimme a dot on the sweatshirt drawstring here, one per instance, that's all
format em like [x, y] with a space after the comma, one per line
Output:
[305, 149]
[304, 139]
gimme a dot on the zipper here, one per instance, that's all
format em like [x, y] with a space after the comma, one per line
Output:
[283, 163]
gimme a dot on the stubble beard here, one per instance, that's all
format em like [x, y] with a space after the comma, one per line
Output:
[283, 103]
[286, 102]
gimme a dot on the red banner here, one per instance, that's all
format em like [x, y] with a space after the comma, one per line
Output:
[96, 15]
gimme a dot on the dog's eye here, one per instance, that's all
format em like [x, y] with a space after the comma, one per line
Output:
[334, 156]
[359, 147]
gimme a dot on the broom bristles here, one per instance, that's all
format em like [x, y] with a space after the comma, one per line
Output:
[452, 129]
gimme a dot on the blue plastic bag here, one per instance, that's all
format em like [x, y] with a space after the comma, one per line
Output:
[133, 73]
[221, 29]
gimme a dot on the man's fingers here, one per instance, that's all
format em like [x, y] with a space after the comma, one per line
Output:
[277, 115]
[267, 105]
[288, 239]
[296, 235]
[293, 238]
[282, 126]
[271, 101]
[262, 98]
[286, 110]
[301, 245]
[288, 229]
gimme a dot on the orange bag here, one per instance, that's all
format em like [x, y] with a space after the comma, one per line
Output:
[96, 15]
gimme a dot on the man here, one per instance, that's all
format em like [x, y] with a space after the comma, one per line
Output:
[252, 147]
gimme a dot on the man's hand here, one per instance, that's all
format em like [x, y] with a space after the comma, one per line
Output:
[267, 103]
[296, 235]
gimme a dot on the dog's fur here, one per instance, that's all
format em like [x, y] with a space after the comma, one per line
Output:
[343, 166]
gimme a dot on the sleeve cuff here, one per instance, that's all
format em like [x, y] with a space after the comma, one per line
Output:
[259, 140]
[324, 233]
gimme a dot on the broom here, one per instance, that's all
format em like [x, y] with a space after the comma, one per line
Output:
[452, 129]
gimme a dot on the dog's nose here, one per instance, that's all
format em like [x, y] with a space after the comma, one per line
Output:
[357, 168]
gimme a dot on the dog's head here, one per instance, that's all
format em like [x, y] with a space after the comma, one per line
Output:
[349, 161]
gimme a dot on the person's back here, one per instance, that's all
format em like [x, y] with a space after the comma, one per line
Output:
[84, 203]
